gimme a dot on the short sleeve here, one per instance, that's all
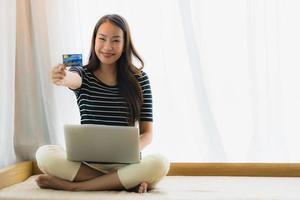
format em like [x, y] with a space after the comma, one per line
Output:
[79, 71]
[146, 110]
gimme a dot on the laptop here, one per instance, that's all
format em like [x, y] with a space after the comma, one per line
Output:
[101, 143]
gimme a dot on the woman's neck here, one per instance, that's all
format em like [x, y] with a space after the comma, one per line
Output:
[107, 74]
[108, 69]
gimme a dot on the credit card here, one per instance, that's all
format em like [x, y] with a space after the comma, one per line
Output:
[71, 60]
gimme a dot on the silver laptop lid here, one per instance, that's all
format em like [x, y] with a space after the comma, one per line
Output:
[100, 143]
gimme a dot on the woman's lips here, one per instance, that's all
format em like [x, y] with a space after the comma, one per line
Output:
[107, 54]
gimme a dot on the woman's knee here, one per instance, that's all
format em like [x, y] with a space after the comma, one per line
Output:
[46, 157]
[159, 165]
[51, 159]
[152, 169]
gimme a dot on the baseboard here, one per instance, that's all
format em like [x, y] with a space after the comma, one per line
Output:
[235, 169]
[15, 173]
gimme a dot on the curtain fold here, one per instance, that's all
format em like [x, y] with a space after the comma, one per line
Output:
[35, 122]
[7, 80]
[214, 150]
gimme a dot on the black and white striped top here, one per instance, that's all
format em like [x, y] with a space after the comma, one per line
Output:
[102, 104]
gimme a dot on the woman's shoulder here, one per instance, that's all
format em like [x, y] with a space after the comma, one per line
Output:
[143, 79]
[142, 76]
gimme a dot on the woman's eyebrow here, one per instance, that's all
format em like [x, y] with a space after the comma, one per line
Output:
[115, 36]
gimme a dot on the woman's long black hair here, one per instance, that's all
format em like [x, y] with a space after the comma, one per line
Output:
[128, 84]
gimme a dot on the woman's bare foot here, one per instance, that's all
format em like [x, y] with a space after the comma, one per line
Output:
[46, 181]
[141, 188]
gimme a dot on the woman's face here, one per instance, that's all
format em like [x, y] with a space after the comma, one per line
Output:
[109, 43]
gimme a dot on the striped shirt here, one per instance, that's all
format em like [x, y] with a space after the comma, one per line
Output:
[102, 104]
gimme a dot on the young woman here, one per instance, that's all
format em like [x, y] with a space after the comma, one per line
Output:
[110, 90]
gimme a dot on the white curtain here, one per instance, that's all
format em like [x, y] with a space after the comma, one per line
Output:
[224, 75]
[7, 80]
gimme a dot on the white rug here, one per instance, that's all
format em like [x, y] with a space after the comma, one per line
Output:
[174, 187]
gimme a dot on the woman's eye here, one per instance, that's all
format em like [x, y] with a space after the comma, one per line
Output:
[116, 41]
[102, 39]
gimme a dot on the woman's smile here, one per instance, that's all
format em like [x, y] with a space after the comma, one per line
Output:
[107, 55]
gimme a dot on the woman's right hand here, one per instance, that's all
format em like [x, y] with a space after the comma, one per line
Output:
[58, 73]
